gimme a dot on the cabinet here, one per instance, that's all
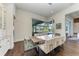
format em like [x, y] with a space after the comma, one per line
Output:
[4, 42]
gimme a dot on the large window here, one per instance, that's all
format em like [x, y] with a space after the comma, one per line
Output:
[43, 27]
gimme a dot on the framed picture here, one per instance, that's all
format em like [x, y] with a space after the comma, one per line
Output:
[58, 26]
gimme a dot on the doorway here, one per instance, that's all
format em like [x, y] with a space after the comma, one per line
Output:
[72, 26]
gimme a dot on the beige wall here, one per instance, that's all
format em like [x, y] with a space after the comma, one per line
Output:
[23, 24]
[60, 18]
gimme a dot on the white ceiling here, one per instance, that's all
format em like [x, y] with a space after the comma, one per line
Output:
[74, 14]
[43, 9]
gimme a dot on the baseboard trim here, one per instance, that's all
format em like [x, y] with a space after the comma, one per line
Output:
[18, 40]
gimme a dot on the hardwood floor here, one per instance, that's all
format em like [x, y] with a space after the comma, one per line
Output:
[70, 48]
[18, 49]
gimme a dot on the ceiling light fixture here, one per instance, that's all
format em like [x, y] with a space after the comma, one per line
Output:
[50, 8]
[49, 4]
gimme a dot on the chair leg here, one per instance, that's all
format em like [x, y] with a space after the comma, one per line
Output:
[62, 46]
